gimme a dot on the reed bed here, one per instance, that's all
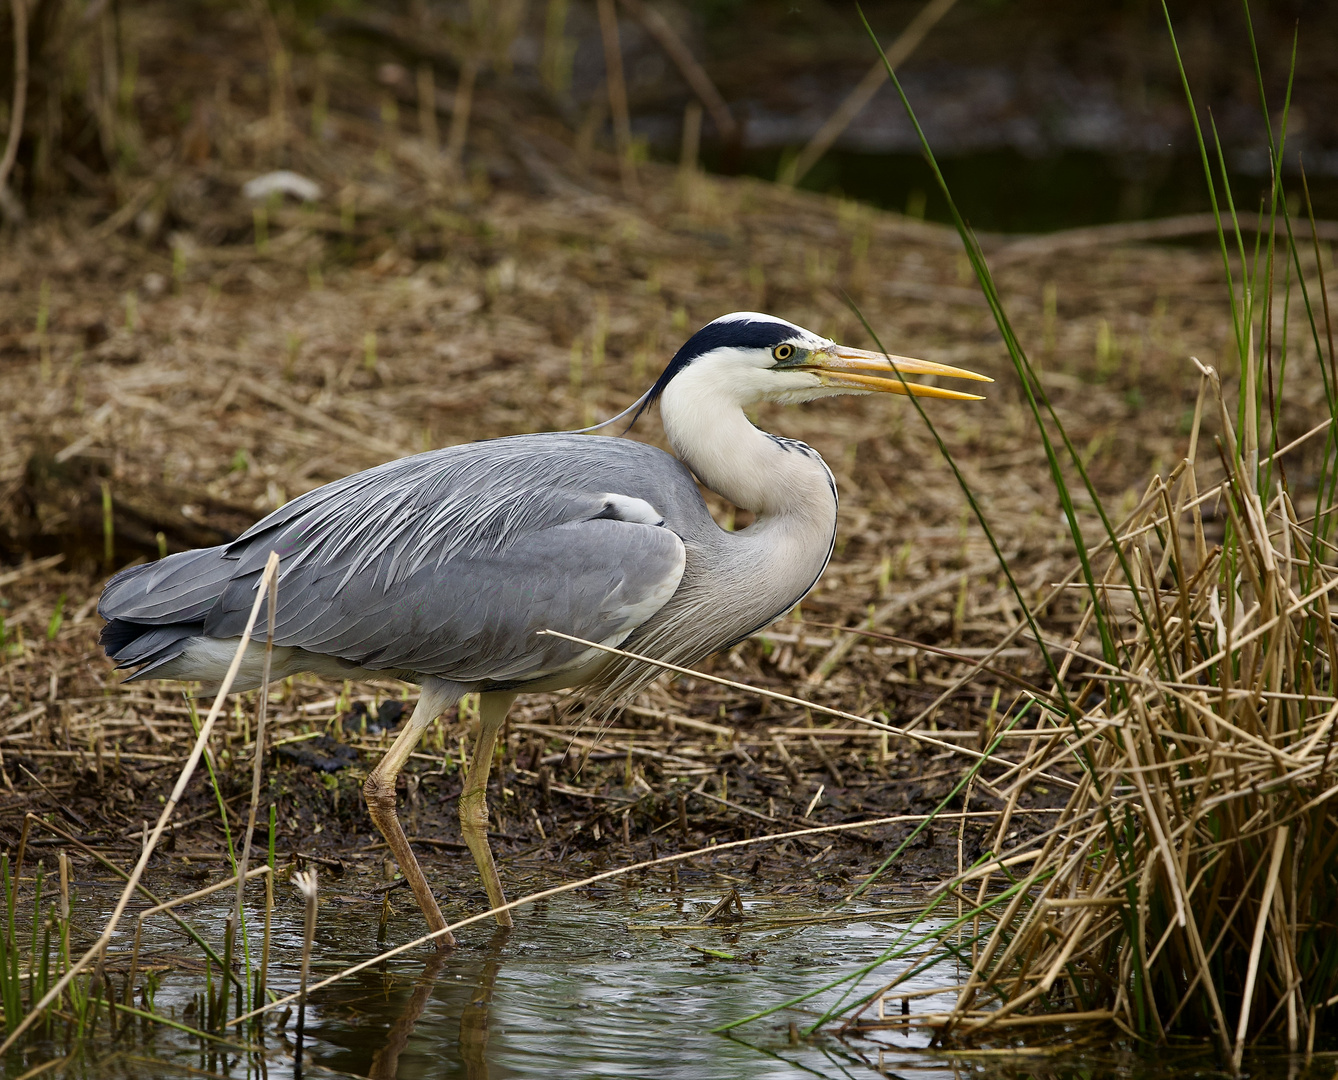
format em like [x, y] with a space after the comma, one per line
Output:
[1190, 886]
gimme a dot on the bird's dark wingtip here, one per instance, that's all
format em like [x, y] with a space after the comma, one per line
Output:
[119, 633]
[132, 644]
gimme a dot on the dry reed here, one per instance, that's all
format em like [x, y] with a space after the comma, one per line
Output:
[1190, 885]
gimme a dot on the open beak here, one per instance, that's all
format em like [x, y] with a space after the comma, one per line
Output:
[855, 369]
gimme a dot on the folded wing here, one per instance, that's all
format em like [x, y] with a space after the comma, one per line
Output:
[446, 564]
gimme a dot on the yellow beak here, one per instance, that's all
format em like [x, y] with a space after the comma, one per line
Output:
[855, 369]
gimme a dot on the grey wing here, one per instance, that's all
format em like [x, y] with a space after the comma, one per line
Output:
[448, 564]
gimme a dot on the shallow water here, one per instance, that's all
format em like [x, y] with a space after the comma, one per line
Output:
[575, 989]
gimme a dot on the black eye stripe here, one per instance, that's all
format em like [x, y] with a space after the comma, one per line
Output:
[741, 333]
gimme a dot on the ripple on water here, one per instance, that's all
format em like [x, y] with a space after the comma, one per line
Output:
[572, 992]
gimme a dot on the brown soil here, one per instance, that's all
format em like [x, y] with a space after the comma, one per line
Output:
[184, 364]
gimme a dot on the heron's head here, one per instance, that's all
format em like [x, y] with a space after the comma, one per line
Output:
[747, 357]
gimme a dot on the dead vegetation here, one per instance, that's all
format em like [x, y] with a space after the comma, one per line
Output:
[177, 360]
[1185, 889]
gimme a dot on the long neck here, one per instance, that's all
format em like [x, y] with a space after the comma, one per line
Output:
[737, 582]
[776, 479]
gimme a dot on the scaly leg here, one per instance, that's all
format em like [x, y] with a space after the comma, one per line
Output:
[379, 791]
[474, 798]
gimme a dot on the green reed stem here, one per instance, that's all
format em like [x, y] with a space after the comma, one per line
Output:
[1037, 401]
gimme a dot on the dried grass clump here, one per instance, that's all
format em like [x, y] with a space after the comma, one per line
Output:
[1190, 885]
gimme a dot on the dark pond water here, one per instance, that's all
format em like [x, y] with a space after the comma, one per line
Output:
[1008, 191]
[580, 988]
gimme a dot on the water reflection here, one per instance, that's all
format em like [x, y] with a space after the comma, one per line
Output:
[589, 986]
[386, 1063]
[585, 987]
[474, 1016]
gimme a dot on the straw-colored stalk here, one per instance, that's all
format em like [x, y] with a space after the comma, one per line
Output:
[1189, 886]
[306, 885]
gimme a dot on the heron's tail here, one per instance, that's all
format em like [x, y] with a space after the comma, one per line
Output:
[154, 610]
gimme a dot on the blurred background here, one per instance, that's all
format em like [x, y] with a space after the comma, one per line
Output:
[1046, 113]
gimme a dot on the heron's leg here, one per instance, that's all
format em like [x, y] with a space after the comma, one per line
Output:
[379, 791]
[474, 801]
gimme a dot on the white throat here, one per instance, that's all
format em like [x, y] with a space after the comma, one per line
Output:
[704, 419]
[759, 572]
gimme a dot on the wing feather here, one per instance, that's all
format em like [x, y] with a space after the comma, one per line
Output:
[447, 563]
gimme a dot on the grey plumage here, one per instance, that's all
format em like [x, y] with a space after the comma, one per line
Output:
[443, 568]
[447, 563]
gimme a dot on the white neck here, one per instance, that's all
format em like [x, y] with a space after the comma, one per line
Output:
[757, 573]
[709, 432]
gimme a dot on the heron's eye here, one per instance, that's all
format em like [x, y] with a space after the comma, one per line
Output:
[783, 352]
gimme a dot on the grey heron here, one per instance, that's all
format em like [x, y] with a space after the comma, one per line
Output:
[441, 568]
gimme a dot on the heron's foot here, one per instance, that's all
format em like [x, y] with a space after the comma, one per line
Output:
[379, 792]
[474, 828]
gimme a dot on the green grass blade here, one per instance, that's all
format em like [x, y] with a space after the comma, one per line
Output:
[966, 778]
[32, 947]
[894, 952]
[1035, 394]
[1208, 178]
